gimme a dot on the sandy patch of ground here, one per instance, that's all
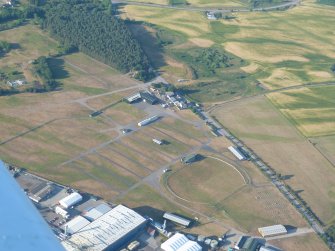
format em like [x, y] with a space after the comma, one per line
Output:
[320, 74]
[201, 42]
[245, 51]
[251, 68]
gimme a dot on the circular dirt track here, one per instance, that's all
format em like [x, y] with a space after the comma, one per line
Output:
[205, 182]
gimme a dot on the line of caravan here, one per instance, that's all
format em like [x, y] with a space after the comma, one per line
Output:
[147, 121]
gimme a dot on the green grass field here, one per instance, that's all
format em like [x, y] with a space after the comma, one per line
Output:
[311, 110]
[209, 181]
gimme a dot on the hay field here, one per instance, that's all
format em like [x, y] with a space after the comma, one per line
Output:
[308, 242]
[289, 48]
[277, 142]
[312, 110]
[292, 47]
[326, 145]
[188, 23]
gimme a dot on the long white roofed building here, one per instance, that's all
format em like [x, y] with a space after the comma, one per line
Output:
[272, 230]
[70, 200]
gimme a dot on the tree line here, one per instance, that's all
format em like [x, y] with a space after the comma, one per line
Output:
[89, 26]
[42, 69]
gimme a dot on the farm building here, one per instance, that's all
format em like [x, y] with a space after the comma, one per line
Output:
[272, 230]
[149, 98]
[70, 200]
[133, 98]
[74, 225]
[180, 242]
[110, 231]
[237, 153]
[96, 212]
[147, 121]
[177, 219]
[189, 158]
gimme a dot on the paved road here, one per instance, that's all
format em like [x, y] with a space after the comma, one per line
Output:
[217, 9]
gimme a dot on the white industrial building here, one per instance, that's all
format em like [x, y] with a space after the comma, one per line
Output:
[70, 200]
[134, 97]
[147, 121]
[96, 212]
[74, 225]
[110, 231]
[177, 219]
[237, 153]
[62, 212]
[180, 242]
[272, 230]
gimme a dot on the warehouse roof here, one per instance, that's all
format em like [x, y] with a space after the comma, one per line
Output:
[75, 224]
[190, 246]
[180, 242]
[178, 219]
[272, 230]
[106, 230]
[149, 98]
[70, 200]
[96, 212]
[133, 98]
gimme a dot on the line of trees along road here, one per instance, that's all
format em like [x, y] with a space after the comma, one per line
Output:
[89, 26]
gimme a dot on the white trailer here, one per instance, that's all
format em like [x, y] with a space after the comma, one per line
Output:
[237, 153]
[157, 141]
[147, 121]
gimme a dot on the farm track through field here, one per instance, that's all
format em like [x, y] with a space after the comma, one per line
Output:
[294, 87]
[217, 9]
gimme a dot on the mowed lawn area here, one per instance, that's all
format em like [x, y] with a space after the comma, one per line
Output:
[208, 181]
[216, 188]
[51, 134]
[268, 132]
[309, 242]
[43, 132]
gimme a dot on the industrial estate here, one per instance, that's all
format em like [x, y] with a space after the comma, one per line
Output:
[169, 125]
